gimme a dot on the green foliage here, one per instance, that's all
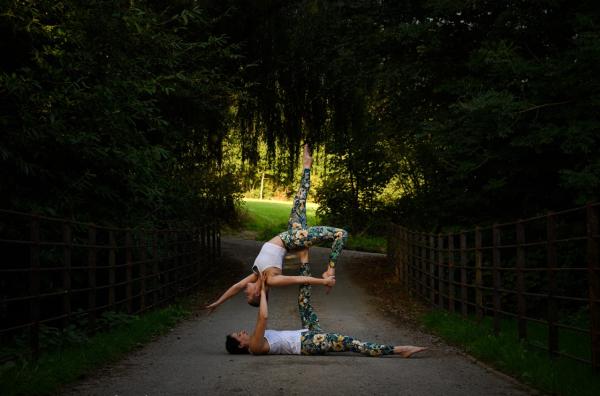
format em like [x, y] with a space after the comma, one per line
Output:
[73, 360]
[474, 111]
[560, 376]
[434, 114]
[123, 104]
[52, 339]
[505, 102]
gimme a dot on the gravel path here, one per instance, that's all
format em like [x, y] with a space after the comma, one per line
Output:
[192, 360]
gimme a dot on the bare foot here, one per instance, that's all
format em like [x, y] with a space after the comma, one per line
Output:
[307, 158]
[407, 351]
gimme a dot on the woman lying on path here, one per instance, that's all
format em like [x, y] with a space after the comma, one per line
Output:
[269, 262]
[310, 340]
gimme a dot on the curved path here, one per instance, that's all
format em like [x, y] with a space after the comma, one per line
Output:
[192, 360]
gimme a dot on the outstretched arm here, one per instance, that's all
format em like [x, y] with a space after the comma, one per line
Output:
[258, 344]
[284, 280]
[232, 291]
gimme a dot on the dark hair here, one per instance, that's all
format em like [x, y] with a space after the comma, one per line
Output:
[254, 302]
[233, 346]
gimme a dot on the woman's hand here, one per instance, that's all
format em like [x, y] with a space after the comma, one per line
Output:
[210, 308]
[329, 283]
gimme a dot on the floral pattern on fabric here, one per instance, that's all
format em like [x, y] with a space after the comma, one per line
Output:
[307, 315]
[316, 342]
[319, 343]
[299, 235]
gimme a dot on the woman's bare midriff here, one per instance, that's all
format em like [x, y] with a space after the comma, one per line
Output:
[277, 241]
[272, 271]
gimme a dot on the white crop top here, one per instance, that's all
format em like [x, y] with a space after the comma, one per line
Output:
[285, 342]
[270, 255]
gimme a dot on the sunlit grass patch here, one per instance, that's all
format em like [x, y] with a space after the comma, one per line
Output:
[268, 218]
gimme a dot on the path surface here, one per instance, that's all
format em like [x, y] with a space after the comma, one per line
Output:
[192, 360]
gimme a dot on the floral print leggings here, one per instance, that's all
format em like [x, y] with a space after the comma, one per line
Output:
[299, 235]
[316, 342]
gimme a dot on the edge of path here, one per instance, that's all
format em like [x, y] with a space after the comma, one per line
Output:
[388, 298]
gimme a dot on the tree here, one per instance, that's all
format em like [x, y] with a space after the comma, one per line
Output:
[113, 110]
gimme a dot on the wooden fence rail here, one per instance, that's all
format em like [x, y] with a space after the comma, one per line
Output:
[539, 275]
[56, 271]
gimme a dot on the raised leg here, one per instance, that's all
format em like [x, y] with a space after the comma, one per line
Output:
[297, 218]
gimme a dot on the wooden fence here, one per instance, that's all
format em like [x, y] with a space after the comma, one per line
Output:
[537, 277]
[55, 271]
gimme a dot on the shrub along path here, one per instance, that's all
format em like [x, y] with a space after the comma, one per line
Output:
[192, 358]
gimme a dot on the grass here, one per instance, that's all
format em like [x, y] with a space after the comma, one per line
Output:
[266, 219]
[71, 362]
[58, 367]
[561, 376]
[269, 218]
[530, 365]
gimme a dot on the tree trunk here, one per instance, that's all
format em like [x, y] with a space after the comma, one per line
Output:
[262, 184]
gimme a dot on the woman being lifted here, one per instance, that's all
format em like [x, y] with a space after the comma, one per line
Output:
[269, 262]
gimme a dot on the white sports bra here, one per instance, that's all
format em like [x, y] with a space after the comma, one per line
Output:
[270, 255]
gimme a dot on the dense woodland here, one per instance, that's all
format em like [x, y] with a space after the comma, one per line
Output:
[434, 114]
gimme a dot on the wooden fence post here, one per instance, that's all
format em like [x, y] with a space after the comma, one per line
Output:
[218, 240]
[432, 282]
[478, 275]
[521, 304]
[594, 283]
[129, 271]
[213, 245]
[552, 309]
[496, 241]
[203, 243]
[409, 260]
[195, 261]
[414, 241]
[92, 277]
[112, 258]
[393, 248]
[67, 251]
[155, 269]
[406, 260]
[189, 263]
[424, 266]
[416, 262]
[440, 271]
[399, 246]
[168, 264]
[451, 302]
[34, 288]
[142, 276]
[177, 264]
[463, 275]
